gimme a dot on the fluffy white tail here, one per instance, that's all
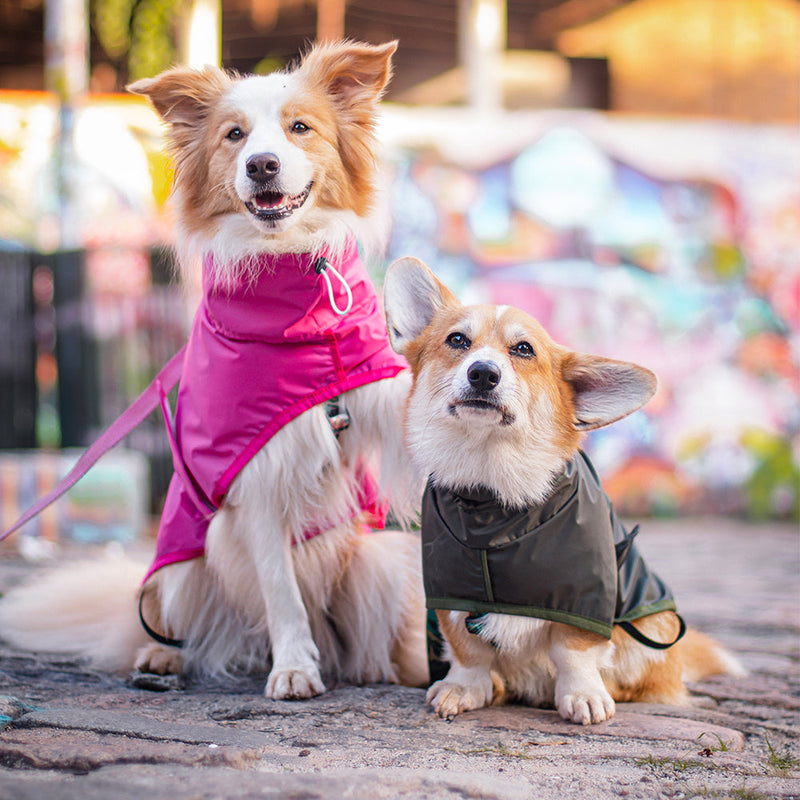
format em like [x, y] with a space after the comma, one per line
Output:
[86, 608]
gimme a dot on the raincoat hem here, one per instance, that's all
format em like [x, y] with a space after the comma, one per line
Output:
[173, 558]
[474, 606]
[291, 413]
[646, 611]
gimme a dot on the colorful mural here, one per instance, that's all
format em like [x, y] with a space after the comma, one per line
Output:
[673, 244]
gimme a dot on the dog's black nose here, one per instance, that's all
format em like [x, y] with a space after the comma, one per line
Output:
[263, 166]
[483, 375]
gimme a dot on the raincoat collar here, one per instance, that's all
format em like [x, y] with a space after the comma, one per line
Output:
[285, 299]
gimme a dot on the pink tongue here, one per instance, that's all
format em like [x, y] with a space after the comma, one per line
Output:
[269, 200]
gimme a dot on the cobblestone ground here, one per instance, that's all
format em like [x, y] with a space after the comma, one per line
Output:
[70, 732]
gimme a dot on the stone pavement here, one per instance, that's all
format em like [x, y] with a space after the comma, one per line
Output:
[70, 732]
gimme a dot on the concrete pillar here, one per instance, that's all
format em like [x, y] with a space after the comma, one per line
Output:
[330, 20]
[200, 38]
[66, 38]
[482, 43]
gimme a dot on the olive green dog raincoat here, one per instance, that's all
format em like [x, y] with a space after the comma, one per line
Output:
[568, 560]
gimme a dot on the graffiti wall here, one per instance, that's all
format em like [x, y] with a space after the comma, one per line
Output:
[673, 244]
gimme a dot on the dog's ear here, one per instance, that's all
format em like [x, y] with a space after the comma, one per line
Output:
[412, 295]
[182, 96]
[353, 75]
[605, 390]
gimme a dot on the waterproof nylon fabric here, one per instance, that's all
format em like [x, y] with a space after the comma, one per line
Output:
[569, 560]
[258, 356]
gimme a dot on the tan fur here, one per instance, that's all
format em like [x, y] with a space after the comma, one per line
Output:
[528, 424]
[187, 100]
[657, 679]
[578, 639]
[338, 87]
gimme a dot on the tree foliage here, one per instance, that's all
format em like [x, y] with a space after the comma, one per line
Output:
[139, 35]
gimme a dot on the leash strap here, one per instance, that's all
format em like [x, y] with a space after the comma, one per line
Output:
[165, 640]
[633, 631]
[139, 410]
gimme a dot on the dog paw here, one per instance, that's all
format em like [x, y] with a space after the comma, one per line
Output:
[586, 707]
[293, 683]
[158, 659]
[451, 699]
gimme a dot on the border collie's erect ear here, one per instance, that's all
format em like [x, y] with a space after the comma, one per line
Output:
[412, 295]
[352, 74]
[605, 390]
[182, 95]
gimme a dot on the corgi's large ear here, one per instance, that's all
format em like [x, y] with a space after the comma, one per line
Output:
[412, 295]
[605, 390]
[182, 96]
[351, 74]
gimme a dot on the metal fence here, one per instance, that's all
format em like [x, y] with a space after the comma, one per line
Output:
[72, 359]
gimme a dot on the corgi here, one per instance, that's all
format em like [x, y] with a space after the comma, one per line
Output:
[286, 437]
[522, 552]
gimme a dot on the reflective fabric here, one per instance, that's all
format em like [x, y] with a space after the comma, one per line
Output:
[568, 560]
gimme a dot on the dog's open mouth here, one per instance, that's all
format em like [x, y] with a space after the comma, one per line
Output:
[268, 205]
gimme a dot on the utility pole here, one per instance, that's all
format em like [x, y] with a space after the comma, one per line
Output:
[201, 34]
[66, 34]
[482, 44]
[330, 20]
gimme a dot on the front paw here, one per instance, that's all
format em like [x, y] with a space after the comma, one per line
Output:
[294, 683]
[585, 707]
[450, 699]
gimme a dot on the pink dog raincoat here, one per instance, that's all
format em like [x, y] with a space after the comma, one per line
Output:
[258, 356]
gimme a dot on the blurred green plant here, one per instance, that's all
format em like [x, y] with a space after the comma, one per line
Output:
[773, 488]
[268, 65]
[139, 34]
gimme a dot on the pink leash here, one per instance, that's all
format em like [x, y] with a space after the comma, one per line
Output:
[148, 401]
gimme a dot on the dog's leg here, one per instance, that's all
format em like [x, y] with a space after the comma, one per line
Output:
[578, 655]
[470, 682]
[378, 608]
[295, 671]
[271, 497]
[155, 657]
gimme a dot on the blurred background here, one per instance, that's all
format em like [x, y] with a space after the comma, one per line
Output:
[628, 172]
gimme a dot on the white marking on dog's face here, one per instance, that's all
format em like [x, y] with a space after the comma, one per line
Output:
[273, 175]
[486, 351]
[486, 408]
[473, 395]
[282, 163]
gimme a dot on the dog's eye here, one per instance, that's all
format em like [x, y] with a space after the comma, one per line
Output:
[235, 134]
[458, 341]
[523, 349]
[300, 127]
